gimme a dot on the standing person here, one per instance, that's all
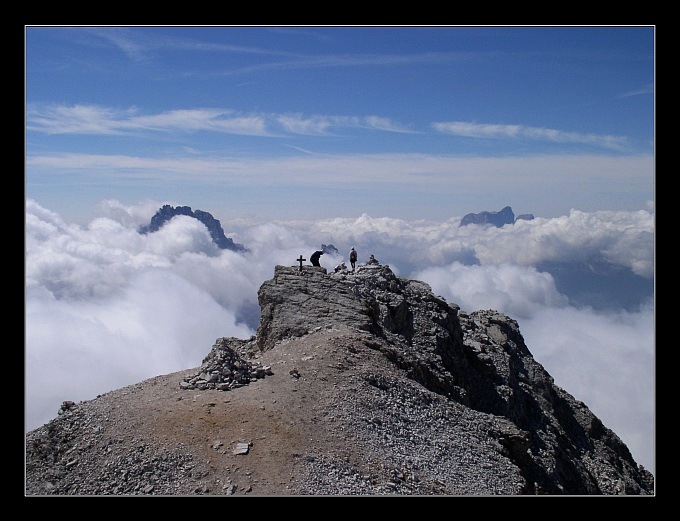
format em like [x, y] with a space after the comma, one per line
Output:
[353, 257]
[314, 259]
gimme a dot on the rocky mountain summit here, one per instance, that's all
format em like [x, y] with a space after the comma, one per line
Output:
[498, 219]
[356, 383]
[167, 212]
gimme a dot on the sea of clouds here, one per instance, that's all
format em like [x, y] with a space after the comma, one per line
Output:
[107, 307]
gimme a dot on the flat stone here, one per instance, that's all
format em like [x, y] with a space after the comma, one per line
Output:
[241, 448]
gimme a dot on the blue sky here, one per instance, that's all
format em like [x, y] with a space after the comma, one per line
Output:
[381, 138]
[405, 122]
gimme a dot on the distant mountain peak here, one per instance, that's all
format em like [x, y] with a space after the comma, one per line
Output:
[498, 219]
[167, 212]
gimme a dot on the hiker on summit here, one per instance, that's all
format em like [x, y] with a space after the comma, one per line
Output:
[353, 257]
[314, 259]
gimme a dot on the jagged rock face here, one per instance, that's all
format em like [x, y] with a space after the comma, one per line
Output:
[498, 219]
[296, 301]
[478, 360]
[167, 212]
[357, 382]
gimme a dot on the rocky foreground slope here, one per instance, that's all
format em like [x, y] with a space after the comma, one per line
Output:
[357, 383]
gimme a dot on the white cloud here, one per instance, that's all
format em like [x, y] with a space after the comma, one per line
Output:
[621, 238]
[97, 120]
[645, 89]
[519, 291]
[77, 119]
[380, 123]
[298, 124]
[213, 120]
[130, 216]
[551, 175]
[79, 347]
[504, 131]
[462, 128]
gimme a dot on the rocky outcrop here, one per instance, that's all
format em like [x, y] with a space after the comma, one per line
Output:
[167, 212]
[225, 368]
[498, 219]
[357, 382]
[478, 360]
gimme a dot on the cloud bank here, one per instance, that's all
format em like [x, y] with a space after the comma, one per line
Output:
[107, 307]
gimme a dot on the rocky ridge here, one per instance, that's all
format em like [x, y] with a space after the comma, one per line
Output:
[498, 219]
[167, 212]
[356, 383]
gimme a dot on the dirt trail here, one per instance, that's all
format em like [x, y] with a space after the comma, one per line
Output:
[280, 417]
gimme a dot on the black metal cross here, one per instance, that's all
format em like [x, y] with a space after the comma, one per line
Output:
[301, 260]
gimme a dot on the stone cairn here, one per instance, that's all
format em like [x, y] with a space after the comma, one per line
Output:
[224, 369]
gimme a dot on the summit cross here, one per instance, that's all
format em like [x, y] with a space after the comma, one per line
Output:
[301, 260]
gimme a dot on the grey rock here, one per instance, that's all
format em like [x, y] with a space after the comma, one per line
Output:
[478, 360]
[497, 219]
[242, 448]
